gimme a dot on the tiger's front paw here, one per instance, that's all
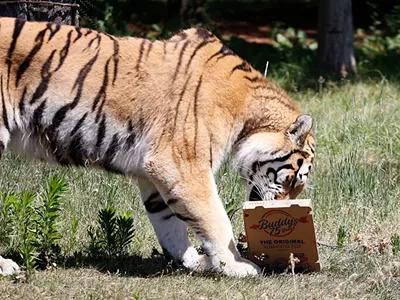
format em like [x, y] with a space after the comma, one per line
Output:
[239, 268]
[191, 259]
[8, 267]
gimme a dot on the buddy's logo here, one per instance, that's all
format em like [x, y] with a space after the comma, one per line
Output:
[278, 223]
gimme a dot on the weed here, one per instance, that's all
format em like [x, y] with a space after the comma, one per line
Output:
[396, 244]
[341, 236]
[74, 230]
[6, 217]
[289, 38]
[48, 213]
[112, 236]
[30, 224]
[136, 296]
[25, 226]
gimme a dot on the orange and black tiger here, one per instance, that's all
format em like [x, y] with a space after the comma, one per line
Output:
[167, 112]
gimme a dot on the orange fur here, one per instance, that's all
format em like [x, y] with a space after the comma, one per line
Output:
[166, 111]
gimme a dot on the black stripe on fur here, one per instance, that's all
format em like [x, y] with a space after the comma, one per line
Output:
[111, 152]
[37, 117]
[224, 51]
[244, 66]
[76, 150]
[39, 40]
[46, 75]
[155, 204]
[199, 46]
[186, 218]
[79, 33]
[21, 104]
[2, 147]
[180, 59]
[64, 51]
[141, 49]
[101, 131]
[18, 25]
[3, 101]
[53, 31]
[102, 92]
[78, 124]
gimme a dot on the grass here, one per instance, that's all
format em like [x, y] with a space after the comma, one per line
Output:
[355, 191]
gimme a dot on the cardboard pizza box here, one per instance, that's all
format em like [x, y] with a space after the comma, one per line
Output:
[281, 233]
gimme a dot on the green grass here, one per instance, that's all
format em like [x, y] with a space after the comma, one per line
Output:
[355, 189]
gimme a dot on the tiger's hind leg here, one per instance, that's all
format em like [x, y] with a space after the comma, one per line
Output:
[171, 232]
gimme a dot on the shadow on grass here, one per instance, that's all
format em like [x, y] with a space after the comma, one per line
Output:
[156, 265]
[133, 265]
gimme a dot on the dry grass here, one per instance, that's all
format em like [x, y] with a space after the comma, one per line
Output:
[364, 283]
[356, 186]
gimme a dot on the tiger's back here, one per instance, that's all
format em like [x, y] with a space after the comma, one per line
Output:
[65, 80]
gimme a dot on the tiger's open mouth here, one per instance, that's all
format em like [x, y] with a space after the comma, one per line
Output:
[255, 195]
[282, 197]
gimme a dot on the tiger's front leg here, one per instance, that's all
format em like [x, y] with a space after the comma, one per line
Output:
[171, 232]
[194, 200]
[4, 139]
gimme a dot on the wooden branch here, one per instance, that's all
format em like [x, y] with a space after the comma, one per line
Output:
[45, 3]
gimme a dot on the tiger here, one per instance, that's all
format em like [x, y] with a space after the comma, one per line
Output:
[166, 112]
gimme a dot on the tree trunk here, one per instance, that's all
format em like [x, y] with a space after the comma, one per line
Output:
[173, 9]
[57, 11]
[185, 9]
[336, 37]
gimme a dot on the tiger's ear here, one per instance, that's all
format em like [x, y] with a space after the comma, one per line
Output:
[299, 130]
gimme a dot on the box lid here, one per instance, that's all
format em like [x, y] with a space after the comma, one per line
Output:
[277, 203]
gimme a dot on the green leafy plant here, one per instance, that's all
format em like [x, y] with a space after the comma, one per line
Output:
[29, 224]
[113, 234]
[341, 236]
[48, 213]
[109, 24]
[136, 296]
[289, 38]
[380, 41]
[7, 202]
[25, 226]
[74, 230]
[393, 20]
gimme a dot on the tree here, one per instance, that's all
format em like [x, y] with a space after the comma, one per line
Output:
[336, 37]
[57, 11]
[173, 9]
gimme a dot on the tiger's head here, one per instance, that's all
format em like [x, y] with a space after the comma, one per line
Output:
[277, 165]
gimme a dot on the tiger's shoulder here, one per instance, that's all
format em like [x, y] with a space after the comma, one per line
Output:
[192, 34]
[198, 38]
